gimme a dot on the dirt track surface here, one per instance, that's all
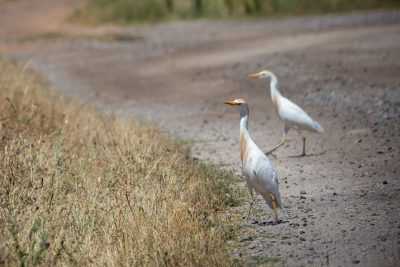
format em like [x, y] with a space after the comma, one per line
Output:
[344, 205]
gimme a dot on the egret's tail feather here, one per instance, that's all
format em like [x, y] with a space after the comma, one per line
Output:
[318, 127]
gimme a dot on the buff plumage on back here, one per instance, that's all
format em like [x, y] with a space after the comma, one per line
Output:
[243, 148]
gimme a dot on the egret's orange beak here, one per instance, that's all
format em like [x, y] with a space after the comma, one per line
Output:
[254, 76]
[231, 102]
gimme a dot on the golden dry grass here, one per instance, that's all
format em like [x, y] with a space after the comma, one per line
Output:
[80, 188]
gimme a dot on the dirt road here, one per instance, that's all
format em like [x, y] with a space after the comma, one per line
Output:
[343, 206]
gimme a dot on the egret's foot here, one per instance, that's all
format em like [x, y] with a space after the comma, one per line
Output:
[309, 155]
[271, 153]
[251, 220]
[254, 221]
[300, 156]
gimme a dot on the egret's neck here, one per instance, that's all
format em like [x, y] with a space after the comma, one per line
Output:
[244, 126]
[274, 88]
[244, 117]
[244, 132]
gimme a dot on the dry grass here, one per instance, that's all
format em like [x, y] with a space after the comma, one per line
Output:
[79, 188]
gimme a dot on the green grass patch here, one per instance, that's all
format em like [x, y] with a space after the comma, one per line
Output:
[137, 11]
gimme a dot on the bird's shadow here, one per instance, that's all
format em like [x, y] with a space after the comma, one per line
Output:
[269, 223]
[308, 155]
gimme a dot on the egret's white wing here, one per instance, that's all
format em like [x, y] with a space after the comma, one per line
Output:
[292, 113]
[260, 174]
[267, 179]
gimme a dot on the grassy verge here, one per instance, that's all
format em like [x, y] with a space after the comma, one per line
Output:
[80, 188]
[129, 11]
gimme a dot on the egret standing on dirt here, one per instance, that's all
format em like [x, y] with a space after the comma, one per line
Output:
[290, 113]
[256, 167]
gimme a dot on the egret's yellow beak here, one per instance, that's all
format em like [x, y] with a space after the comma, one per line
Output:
[231, 102]
[254, 76]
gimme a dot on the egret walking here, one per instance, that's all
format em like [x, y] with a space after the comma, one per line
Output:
[261, 176]
[290, 113]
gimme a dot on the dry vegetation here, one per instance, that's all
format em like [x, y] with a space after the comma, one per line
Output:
[128, 11]
[80, 188]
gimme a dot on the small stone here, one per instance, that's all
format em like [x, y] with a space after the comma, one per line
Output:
[302, 197]
[302, 239]
[303, 192]
[356, 261]
[384, 182]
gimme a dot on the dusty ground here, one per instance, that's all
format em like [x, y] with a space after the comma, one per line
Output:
[343, 206]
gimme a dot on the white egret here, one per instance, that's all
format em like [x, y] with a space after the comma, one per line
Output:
[259, 173]
[290, 113]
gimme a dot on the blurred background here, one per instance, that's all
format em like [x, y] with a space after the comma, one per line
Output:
[128, 11]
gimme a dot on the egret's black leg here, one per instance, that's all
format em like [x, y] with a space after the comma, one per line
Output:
[283, 141]
[304, 147]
